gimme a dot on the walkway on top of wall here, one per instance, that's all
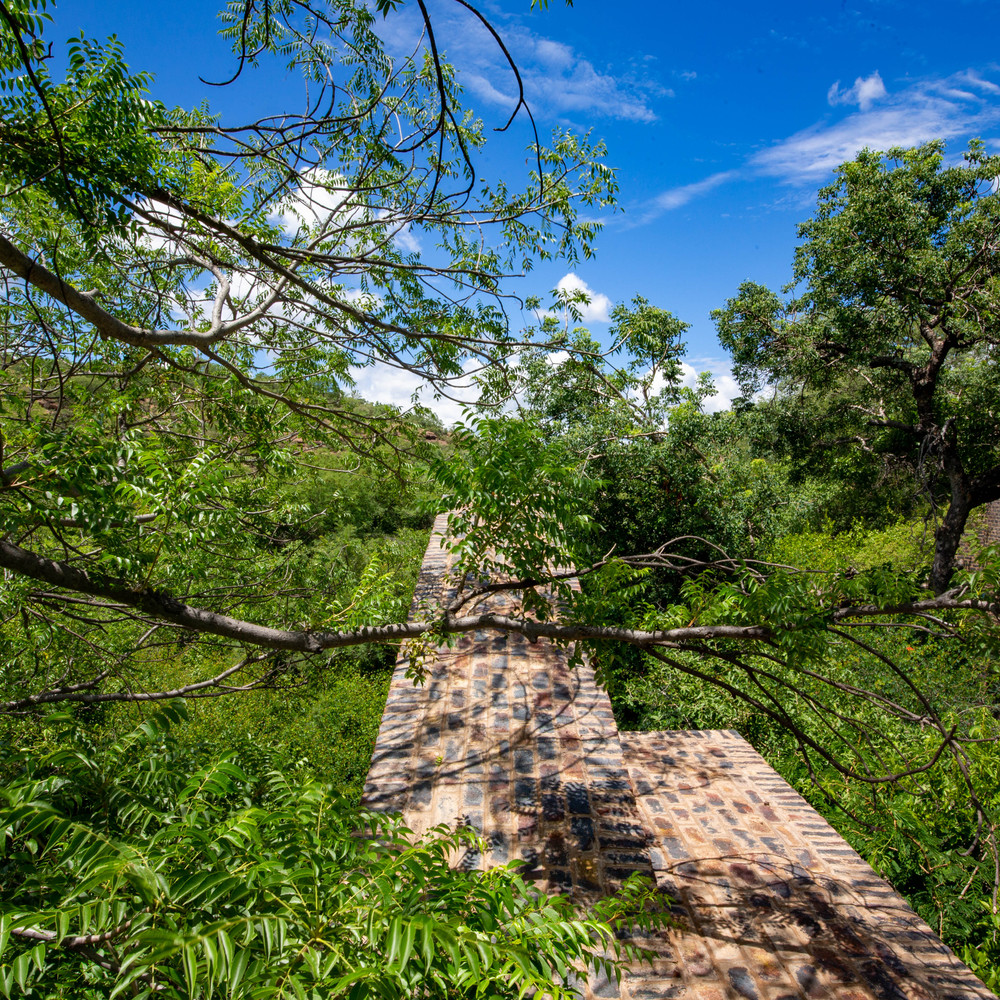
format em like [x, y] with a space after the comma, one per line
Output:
[774, 905]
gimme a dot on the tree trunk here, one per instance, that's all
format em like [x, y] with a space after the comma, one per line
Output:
[947, 539]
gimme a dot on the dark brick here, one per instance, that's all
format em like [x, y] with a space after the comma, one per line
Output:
[583, 831]
[552, 809]
[525, 795]
[577, 800]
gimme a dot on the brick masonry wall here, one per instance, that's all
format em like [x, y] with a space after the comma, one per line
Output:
[771, 904]
[983, 529]
[990, 532]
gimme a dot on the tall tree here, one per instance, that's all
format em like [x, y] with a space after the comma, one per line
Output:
[895, 324]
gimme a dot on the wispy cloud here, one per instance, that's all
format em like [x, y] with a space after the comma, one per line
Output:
[557, 79]
[677, 197]
[960, 106]
[974, 80]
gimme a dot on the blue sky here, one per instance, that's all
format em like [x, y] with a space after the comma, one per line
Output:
[723, 119]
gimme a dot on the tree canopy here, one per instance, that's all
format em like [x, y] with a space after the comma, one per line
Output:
[187, 299]
[183, 318]
[894, 326]
[187, 303]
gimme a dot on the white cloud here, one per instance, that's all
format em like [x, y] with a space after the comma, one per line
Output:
[726, 389]
[244, 286]
[383, 383]
[557, 79]
[322, 200]
[975, 81]
[677, 197]
[571, 84]
[554, 54]
[368, 301]
[927, 109]
[478, 84]
[598, 307]
[407, 240]
[163, 222]
[956, 107]
[865, 92]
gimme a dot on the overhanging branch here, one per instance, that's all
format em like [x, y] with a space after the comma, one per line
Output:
[166, 608]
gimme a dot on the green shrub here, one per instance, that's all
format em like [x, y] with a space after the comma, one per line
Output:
[129, 873]
[906, 545]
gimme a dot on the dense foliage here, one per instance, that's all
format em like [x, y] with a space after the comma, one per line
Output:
[193, 504]
[893, 337]
[772, 512]
[129, 870]
[188, 302]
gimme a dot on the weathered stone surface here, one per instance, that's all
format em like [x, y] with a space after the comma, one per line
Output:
[783, 906]
[771, 903]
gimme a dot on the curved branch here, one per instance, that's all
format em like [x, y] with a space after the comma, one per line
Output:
[108, 325]
[170, 609]
[167, 608]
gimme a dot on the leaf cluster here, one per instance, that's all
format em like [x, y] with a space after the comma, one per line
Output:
[126, 873]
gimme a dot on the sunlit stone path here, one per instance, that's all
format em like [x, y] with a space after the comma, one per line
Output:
[772, 903]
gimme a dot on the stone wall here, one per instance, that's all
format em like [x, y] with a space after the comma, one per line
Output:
[990, 531]
[770, 902]
[983, 529]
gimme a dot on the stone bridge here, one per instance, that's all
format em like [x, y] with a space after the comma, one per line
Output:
[772, 904]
